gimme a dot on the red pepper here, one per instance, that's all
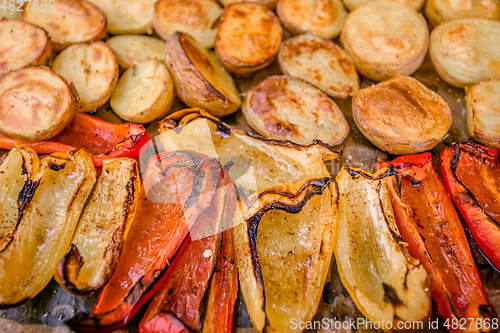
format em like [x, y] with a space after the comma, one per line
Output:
[429, 223]
[472, 176]
[101, 139]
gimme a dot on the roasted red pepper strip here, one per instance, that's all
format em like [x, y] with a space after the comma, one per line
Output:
[101, 139]
[472, 176]
[429, 223]
[181, 187]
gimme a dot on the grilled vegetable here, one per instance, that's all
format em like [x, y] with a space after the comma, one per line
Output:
[35, 104]
[471, 173]
[283, 249]
[438, 11]
[353, 4]
[23, 44]
[104, 224]
[257, 163]
[93, 70]
[45, 226]
[67, 21]
[101, 139]
[428, 222]
[144, 93]
[132, 49]
[385, 282]
[177, 189]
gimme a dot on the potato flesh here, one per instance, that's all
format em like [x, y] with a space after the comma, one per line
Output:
[93, 69]
[369, 257]
[415, 4]
[144, 93]
[132, 49]
[46, 227]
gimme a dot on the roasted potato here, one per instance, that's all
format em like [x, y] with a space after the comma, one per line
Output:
[248, 37]
[144, 93]
[49, 205]
[132, 49]
[194, 17]
[200, 79]
[482, 102]
[321, 62]
[287, 108]
[35, 104]
[466, 51]
[68, 22]
[93, 70]
[401, 116]
[127, 16]
[12, 11]
[97, 243]
[323, 18]
[269, 3]
[23, 44]
[438, 11]
[415, 4]
[385, 39]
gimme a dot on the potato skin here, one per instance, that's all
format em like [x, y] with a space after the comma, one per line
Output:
[401, 116]
[482, 104]
[250, 25]
[353, 4]
[323, 18]
[131, 49]
[214, 90]
[47, 106]
[438, 11]
[72, 21]
[93, 69]
[194, 17]
[320, 62]
[385, 39]
[286, 108]
[466, 51]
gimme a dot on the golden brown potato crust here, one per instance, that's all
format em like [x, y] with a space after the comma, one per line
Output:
[415, 4]
[271, 4]
[438, 11]
[286, 108]
[23, 44]
[71, 22]
[401, 115]
[385, 39]
[132, 49]
[35, 104]
[248, 37]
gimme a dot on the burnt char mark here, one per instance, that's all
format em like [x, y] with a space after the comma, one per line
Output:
[487, 311]
[56, 167]
[26, 194]
[69, 268]
[390, 172]
[23, 167]
[397, 237]
[390, 296]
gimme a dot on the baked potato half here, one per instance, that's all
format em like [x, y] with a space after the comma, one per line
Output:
[35, 104]
[68, 22]
[45, 227]
[23, 44]
[482, 102]
[353, 4]
[98, 239]
[194, 17]
[287, 108]
[14, 12]
[385, 39]
[466, 51]
[323, 18]
[385, 282]
[321, 62]
[248, 37]
[401, 116]
[132, 49]
[438, 11]
[144, 93]
[271, 4]
[200, 79]
[127, 16]
[92, 69]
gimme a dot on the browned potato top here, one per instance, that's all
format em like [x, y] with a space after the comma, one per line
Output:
[194, 17]
[269, 3]
[248, 37]
[438, 11]
[320, 17]
[415, 4]
[23, 44]
[71, 22]
[35, 104]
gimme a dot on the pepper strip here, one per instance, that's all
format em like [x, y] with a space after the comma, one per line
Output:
[428, 222]
[101, 139]
[472, 176]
